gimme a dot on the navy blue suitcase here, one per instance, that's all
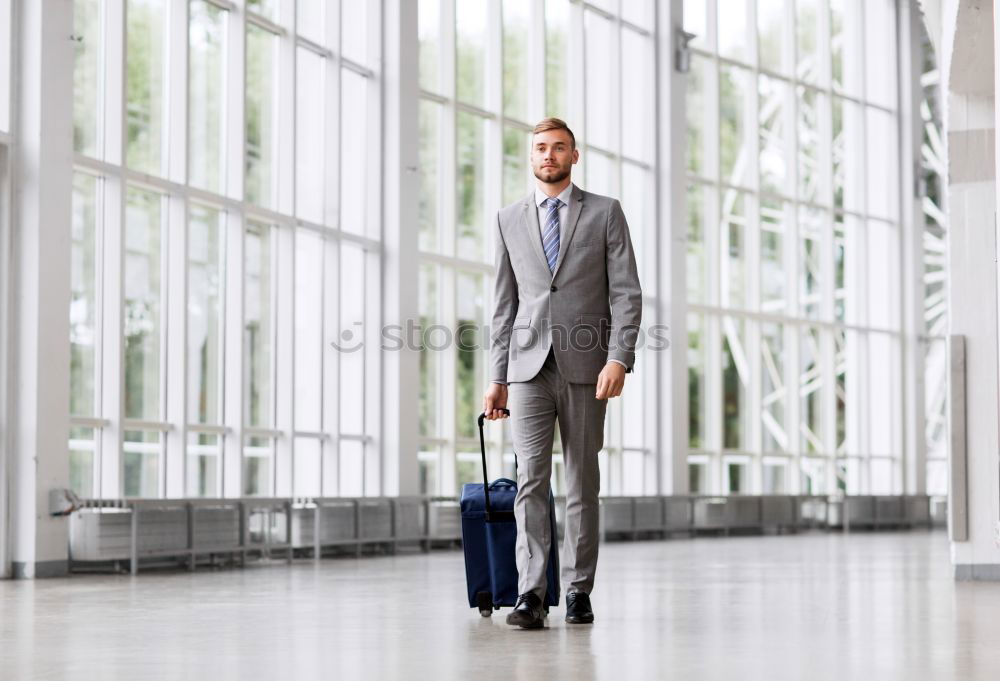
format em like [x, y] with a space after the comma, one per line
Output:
[489, 534]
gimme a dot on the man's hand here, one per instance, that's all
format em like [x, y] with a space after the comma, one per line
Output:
[494, 400]
[610, 381]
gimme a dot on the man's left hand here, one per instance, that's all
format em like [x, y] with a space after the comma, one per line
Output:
[611, 381]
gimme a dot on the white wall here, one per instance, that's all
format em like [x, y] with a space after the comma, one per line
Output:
[970, 120]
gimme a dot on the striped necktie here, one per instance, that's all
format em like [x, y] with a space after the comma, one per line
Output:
[550, 233]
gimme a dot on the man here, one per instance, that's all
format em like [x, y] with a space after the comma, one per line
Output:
[568, 307]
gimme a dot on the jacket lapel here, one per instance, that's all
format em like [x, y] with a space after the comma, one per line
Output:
[575, 208]
[534, 233]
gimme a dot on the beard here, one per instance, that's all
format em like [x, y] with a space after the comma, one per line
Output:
[554, 176]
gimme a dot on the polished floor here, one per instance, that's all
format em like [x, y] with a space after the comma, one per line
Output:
[815, 606]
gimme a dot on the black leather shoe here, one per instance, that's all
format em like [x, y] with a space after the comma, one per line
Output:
[528, 613]
[578, 610]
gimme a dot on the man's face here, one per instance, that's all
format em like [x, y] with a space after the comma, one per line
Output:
[553, 156]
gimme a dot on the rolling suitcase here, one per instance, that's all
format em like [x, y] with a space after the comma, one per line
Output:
[489, 533]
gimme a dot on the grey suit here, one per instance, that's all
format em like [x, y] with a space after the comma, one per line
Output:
[553, 332]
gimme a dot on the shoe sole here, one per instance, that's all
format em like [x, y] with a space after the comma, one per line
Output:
[538, 624]
[580, 620]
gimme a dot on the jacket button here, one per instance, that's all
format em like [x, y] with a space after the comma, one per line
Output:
[552, 288]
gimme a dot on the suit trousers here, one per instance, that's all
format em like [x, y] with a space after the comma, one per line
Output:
[535, 406]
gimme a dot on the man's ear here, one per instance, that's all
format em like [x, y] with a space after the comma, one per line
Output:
[576, 156]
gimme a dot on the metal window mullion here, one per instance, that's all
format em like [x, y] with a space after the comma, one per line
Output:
[318, 50]
[828, 401]
[331, 368]
[226, 5]
[790, 377]
[374, 451]
[616, 117]
[447, 136]
[447, 211]
[112, 63]
[791, 336]
[254, 19]
[283, 355]
[232, 468]
[88, 422]
[272, 232]
[146, 424]
[260, 432]
[310, 435]
[479, 111]
[824, 47]
[576, 94]
[714, 398]
[113, 363]
[354, 437]
[670, 409]
[711, 42]
[536, 61]
[356, 68]
[912, 229]
[284, 106]
[449, 382]
[176, 128]
[443, 440]
[174, 368]
[282, 290]
[752, 347]
[455, 262]
[374, 454]
[235, 103]
[112, 149]
[206, 429]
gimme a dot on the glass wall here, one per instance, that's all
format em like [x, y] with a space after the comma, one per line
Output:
[793, 259]
[483, 87]
[226, 201]
[215, 216]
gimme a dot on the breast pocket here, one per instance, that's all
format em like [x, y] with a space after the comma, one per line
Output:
[589, 243]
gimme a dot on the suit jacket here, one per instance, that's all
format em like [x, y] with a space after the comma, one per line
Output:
[588, 309]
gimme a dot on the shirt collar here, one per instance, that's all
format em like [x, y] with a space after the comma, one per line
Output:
[563, 196]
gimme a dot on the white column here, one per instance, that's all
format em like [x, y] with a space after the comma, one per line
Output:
[41, 284]
[911, 232]
[970, 119]
[400, 207]
[671, 364]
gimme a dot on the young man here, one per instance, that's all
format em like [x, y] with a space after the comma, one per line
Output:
[568, 308]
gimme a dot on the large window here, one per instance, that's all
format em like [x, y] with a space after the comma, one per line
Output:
[218, 249]
[227, 222]
[793, 259]
[475, 131]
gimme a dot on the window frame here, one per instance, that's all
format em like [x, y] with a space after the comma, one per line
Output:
[237, 211]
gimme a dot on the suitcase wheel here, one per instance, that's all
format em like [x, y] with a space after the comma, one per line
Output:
[484, 601]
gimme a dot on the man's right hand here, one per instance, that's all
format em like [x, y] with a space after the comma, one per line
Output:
[494, 400]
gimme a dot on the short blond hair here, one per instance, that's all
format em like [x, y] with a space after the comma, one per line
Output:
[553, 123]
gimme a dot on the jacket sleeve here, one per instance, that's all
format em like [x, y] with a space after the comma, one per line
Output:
[624, 291]
[505, 296]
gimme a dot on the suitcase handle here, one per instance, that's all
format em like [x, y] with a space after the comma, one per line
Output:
[482, 447]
